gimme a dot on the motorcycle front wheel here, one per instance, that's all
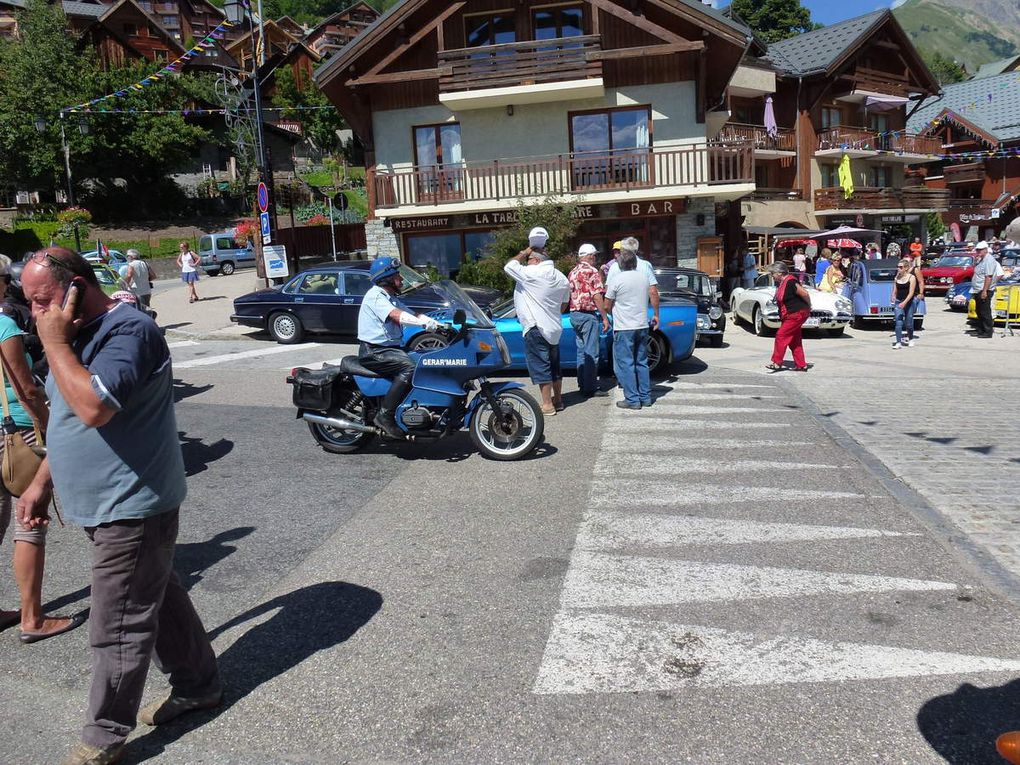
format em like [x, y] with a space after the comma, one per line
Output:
[512, 431]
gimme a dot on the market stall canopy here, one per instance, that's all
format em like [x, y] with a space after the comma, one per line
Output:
[844, 244]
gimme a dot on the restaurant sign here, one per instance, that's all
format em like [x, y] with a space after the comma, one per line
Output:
[497, 218]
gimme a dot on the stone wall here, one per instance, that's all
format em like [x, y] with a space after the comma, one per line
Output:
[380, 239]
[688, 231]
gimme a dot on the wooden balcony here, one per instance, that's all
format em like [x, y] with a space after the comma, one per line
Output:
[853, 141]
[910, 147]
[917, 198]
[784, 144]
[597, 175]
[972, 172]
[776, 195]
[555, 68]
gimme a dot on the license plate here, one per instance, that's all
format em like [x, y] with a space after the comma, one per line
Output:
[812, 323]
[1000, 314]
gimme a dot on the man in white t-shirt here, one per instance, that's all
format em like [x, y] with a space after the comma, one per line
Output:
[541, 295]
[643, 266]
[627, 297]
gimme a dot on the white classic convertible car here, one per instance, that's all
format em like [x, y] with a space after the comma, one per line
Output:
[757, 307]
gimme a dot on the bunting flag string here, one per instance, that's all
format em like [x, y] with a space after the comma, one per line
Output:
[200, 111]
[173, 67]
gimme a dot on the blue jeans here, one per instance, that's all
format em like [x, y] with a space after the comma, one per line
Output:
[630, 362]
[586, 332]
[904, 317]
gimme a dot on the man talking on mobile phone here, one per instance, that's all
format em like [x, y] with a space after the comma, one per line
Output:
[114, 459]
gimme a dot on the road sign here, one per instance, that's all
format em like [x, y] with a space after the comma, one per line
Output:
[341, 202]
[264, 220]
[263, 198]
[275, 259]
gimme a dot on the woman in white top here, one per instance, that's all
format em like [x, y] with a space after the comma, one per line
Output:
[188, 261]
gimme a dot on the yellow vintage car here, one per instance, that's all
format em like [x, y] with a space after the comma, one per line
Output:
[1005, 303]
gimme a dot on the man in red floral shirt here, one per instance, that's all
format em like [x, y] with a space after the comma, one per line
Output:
[587, 317]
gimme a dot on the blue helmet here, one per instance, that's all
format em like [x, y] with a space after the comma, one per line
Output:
[383, 268]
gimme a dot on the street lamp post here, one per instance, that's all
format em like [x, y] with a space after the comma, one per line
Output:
[83, 128]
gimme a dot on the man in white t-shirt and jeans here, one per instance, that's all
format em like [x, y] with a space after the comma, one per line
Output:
[627, 297]
[541, 295]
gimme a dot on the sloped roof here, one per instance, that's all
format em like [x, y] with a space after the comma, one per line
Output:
[83, 10]
[991, 104]
[821, 48]
[996, 67]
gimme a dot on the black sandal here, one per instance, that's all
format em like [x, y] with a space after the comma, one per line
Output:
[775, 367]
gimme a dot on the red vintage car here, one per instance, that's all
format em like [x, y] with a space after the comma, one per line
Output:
[951, 268]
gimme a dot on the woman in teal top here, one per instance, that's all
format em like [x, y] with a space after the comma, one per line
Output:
[25, 402]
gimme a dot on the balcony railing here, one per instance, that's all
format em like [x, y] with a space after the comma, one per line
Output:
[784, 140]
[908, 143]
[696, 165]
[776, 195]
[972, 172]
[520, 63]
[910, 198]
[984, 204]
[844, 137]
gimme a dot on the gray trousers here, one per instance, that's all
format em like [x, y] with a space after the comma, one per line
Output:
[140, 611]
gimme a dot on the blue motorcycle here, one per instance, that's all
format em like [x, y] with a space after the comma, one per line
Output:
[449, 392]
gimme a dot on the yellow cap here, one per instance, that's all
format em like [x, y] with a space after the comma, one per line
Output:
[617, 245]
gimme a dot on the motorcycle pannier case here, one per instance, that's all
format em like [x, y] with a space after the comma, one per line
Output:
[313, 388]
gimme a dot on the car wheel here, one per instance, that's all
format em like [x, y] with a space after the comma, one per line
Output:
[761, 329]
[715, 341]
[227, 268]
[285, 328]
[737, 321]
[837, 332]
[427, 341]
[658, 354]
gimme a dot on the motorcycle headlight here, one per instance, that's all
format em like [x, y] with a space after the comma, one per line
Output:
[714, 312]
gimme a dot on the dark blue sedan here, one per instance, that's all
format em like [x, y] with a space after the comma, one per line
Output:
[327, 299]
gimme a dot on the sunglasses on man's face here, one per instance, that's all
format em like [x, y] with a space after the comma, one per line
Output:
[42, 257]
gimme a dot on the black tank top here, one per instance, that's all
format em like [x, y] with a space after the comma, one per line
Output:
[902, 290]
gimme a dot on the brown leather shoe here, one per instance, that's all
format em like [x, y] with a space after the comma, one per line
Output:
[172, 707]
[86, 754]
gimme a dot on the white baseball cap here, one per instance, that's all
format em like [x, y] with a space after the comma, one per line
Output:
[982, 245]
[586, 249]
[538, 237]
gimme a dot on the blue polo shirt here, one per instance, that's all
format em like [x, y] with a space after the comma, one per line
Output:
[131, 467]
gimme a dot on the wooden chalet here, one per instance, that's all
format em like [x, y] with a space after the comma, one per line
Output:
[977, 123]
[843, 90]
[468, 108]
[336, 31]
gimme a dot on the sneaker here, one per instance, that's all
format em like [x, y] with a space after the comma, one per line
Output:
[897, 346]
[172, 707]
[910, 343]
[86, 754]
[625, 405]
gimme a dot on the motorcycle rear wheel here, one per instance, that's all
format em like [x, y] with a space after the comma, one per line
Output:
[509, 437]
[337, 441]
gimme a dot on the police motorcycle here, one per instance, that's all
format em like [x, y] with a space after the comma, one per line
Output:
[450, 392]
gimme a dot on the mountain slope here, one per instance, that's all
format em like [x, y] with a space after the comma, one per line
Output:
[973, 32]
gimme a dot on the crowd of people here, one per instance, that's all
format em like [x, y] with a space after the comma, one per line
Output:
[541, 296]
[113, 459]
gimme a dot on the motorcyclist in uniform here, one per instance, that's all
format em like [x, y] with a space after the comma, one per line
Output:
[381, 337]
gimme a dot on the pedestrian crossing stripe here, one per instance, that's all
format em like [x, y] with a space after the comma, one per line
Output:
[635, 492]
[601, 580]
[609, 530]
[622, 464]
[655, 444]
[642, 420]
[679, 407]
[604, 653]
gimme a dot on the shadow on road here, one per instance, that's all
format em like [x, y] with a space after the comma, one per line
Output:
[307, 621]
[198, 455]
[183, 390]
[962, 726]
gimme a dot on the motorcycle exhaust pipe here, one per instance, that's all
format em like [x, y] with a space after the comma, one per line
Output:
[339, 423]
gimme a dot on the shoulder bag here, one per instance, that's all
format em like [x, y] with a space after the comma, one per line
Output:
[20, 461]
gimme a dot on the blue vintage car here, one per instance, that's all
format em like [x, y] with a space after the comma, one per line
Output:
[870, 289]
[958, 296]
[673, 341]
[327, 299]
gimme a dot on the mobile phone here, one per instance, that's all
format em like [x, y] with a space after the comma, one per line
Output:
[78, 285]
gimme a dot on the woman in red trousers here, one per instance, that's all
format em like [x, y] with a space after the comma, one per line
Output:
[794, 308]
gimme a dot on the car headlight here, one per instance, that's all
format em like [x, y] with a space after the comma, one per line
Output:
[703, 321]
[771, 305]
[844, 305]
[715, 312]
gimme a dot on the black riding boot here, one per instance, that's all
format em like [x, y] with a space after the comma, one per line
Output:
[384, 417]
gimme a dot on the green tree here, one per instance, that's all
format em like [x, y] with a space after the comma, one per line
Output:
[935, 225]
[774, 20]
[320, 124]
[945, 69]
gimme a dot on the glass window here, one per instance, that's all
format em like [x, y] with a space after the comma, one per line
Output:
[880, 123]
[443, 251]
[495, 29]
[318, 284]
[554, 23]
[830, 175]
[205, 244]
[611, 148]
[880, 176]
[831, 117]
[476, 243]
[437, 156]
[225, 243]
[131, 30]
[355, 283]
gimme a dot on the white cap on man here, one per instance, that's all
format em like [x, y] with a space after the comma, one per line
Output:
[586, 249]
[538, 237]
[982, 245]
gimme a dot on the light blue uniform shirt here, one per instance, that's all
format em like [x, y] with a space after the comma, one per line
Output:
[374, 325]
[643, 267]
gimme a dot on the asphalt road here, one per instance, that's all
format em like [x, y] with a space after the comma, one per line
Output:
[717, 579]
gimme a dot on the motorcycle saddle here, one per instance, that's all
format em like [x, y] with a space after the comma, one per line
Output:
[352, 365]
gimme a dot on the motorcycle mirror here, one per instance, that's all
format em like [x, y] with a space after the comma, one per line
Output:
[459, 317]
